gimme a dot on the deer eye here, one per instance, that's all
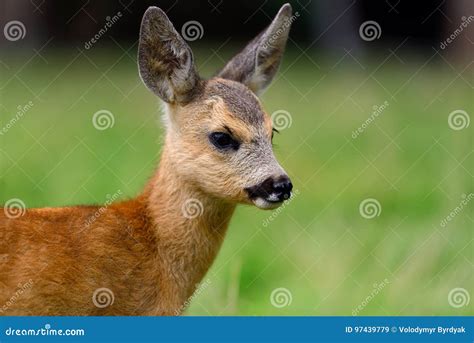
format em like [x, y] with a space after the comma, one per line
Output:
[223, 141]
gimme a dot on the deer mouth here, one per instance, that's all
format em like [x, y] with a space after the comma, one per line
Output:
[266, 204]
[271, 193]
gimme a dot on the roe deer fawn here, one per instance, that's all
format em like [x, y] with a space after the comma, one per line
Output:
[147, 254]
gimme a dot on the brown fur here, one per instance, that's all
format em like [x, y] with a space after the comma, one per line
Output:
[146, 251]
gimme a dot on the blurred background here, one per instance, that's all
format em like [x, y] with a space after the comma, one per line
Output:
[373, 101]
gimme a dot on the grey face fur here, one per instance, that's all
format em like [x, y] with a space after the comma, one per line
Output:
[166, 66]
[239, 99]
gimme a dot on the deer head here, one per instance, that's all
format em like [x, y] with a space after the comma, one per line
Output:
[219, 139]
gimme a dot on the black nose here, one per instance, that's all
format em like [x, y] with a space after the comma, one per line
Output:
[272, 189]
[282, 187]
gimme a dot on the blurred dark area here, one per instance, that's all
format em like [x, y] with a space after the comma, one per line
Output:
[330, 25]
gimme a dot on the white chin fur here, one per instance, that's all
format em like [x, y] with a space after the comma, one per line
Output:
[265, 205]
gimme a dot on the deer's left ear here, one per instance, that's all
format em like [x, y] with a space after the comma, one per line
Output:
[256, 65]
[165, 61]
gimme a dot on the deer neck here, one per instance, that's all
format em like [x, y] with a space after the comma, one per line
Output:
[189, 224]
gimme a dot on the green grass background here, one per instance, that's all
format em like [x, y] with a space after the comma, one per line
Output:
[318, 247]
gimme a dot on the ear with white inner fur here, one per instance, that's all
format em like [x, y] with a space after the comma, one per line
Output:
[165, 61]
[256, 65]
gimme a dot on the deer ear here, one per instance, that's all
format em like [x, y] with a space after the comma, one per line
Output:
[256, 65]
[165, 61]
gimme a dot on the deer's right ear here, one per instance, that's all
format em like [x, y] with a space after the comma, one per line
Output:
[165, 61]
[256, 65]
